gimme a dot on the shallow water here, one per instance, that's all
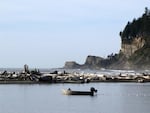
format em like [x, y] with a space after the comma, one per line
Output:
[48, 98]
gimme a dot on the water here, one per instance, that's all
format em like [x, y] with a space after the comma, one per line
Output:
[48, 98]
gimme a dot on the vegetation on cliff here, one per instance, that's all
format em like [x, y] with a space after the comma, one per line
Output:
[136, 28]
[135, 48]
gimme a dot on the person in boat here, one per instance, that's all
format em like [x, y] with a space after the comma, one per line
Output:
[93, 89]
[69, 89]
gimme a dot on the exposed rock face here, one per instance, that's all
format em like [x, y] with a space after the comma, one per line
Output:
[71, 64]
[92, 62]
[130, 47]
[134, 52]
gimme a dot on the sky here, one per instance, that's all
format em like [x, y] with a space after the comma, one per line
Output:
[47, 33]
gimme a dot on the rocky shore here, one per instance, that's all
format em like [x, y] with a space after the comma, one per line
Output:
[36, 77]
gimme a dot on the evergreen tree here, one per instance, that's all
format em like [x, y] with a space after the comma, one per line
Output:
[140, 26]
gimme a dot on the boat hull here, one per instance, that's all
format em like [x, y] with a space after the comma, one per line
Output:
[70, 92]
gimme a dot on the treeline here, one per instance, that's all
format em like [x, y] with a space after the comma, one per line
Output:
[138, 27]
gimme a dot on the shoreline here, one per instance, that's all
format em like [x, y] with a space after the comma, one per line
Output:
[18, 82]
[27, 76]
[75, 82]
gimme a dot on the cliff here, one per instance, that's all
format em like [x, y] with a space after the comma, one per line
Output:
[135, 44]
[93, 61]
[71, 64]
[129, 48]
[134, 52]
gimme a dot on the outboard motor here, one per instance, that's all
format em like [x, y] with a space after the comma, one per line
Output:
[93, 89]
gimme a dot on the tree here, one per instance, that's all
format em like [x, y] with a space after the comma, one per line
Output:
[146, 11]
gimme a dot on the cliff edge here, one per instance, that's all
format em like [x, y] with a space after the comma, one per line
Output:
[134, 52]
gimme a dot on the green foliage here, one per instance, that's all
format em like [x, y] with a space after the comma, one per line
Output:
[138, 27]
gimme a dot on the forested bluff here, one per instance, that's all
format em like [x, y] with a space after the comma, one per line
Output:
[134, 52]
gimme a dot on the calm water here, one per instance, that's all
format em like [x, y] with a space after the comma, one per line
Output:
[111, 98]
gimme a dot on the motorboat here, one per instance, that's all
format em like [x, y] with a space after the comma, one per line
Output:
[71, 92]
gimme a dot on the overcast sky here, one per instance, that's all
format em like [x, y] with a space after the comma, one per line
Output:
[46, 33]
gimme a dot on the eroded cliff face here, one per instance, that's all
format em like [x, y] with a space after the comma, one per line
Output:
[129, 47]
[91, 62]
[71, 64]
[134, 52]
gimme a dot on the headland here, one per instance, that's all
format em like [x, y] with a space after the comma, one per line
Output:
[134, 53]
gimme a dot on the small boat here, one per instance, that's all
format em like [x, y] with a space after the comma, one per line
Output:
[70, 92]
